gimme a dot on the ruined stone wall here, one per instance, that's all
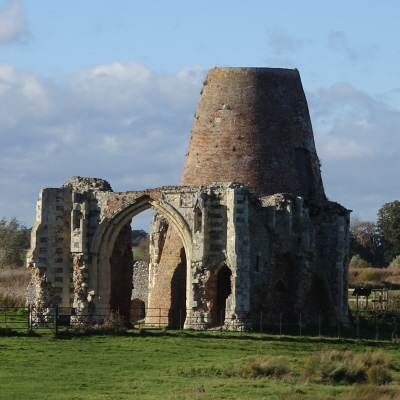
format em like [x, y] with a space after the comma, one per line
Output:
[248, 230]
[264, 254]
[292, 272]
[140, 282]
[49, 256]
[66, 221]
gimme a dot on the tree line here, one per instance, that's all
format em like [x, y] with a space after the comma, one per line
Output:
[372, 244]
[14, 243]
[377, 244]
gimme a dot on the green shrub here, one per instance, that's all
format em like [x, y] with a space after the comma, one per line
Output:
[395, 263]
[358, 262]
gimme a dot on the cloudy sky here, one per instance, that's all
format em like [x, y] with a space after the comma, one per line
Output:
[108, 89]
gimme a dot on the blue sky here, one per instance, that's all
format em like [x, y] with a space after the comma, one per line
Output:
[108, 89]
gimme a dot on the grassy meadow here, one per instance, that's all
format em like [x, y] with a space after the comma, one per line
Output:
[179, 365]
[194, 365]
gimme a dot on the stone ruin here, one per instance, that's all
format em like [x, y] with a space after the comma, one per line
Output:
[248, 230]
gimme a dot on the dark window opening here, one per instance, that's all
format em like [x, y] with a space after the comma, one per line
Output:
[258, 261]
[280, 287]
[77, 219]
[138, 310]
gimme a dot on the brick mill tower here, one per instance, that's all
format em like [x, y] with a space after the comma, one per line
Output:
[252, 126]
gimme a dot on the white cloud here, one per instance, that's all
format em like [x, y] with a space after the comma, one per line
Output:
[357, 137]
[120, 122]
[13, 25]
[128, 125]
[340, 43]
[23, 96]
[282, 42]
[119, 88]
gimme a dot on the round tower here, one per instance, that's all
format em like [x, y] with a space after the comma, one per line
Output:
[252, 126]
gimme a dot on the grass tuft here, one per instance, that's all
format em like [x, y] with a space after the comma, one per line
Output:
[371, 392]
[334, 366]
[275, 367]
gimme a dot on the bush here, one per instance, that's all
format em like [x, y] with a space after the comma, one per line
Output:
[358, 262]
[395, 263]
[114, 322]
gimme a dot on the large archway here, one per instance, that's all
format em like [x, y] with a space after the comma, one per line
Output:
[108, 233]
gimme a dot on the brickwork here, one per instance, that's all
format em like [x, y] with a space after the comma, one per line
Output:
[247, 127]
[160, 294]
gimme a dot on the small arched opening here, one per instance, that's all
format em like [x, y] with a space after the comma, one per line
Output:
[138, 310]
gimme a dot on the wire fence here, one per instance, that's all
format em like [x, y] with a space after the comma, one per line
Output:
[363, 324]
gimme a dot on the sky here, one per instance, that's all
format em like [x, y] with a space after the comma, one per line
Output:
[108, 89]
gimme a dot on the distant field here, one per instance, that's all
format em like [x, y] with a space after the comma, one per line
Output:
[175, 365]
[385, 277]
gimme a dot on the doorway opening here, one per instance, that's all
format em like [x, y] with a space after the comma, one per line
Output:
[224, 289]
[177, 312]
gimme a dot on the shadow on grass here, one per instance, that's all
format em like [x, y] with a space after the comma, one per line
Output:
[11, 332]
[192, 334]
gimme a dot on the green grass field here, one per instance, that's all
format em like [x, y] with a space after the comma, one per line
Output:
[171, 365]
